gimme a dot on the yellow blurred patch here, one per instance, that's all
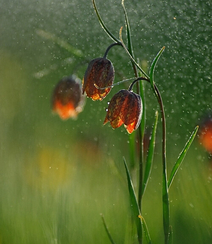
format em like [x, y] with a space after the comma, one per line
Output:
[50, 169]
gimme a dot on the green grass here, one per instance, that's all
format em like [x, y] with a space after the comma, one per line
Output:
[62, 204]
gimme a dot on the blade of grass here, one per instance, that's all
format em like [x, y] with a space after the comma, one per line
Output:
[146, 231]
[166, 213]
[139, 132]
[132, 146]
[152, 67]
[150, 156]
[171, 235]
[165, 190]
[134, 203]
[129, 39]
[142, 94]
[107, 230]
[103, 24]
[142, 142]
[182, 156]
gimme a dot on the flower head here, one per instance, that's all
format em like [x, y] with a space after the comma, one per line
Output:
[98, 77]
[205, 136]
[125, 108]
[67, 98]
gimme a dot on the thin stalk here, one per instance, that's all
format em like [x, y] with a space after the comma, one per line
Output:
[166, 214]
[138, 79]
[142, 126]
[140, 139]
[129, 39]
[107, 230]
[140, 146]
[140, 143]
[112, 45]
[165, 194]
[103, 24]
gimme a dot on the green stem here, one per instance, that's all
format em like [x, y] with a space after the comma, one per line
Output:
[166, 214]
[107, 231]
[103, 24]
[140, 143]
[112, 45]
[135, 81]
[140, 139]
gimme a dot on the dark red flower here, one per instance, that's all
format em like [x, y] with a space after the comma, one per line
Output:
[67, 98]
[98, 77]
[125, 108]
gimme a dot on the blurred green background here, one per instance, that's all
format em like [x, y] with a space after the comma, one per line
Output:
[56, 177]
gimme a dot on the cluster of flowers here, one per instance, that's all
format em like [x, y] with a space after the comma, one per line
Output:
[125, 106]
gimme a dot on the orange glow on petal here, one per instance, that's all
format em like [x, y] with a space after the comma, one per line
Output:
[106, 120]
[116, 122]
[206, 139]
[95, 97]
[131, 127]
[65, 111]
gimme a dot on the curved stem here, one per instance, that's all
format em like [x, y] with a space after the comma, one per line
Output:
[138, 79]
[112, 45]
[166, 215]
[140, 137]
[160, 101]
[103, 24]
[140, 143]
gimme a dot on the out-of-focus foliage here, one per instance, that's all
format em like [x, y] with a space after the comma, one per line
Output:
[58, 176]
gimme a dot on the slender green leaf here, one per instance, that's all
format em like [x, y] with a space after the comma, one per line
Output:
[146, 231]
[182, 156]
[152, 67]
[135, 209]
[166, 212]
[150, 156]
[129, 39]
[134, 203]
[107, 230]
[132, 146]
[171, 235]
[132, 136]
[143, 119]
[103, 24]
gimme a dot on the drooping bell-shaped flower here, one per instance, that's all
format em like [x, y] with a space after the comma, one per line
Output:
[67, 100]
[125, 108]
[98, 78]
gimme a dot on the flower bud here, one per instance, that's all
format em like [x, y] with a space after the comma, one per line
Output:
[67, 100]
[97, 79]
[125, 108]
